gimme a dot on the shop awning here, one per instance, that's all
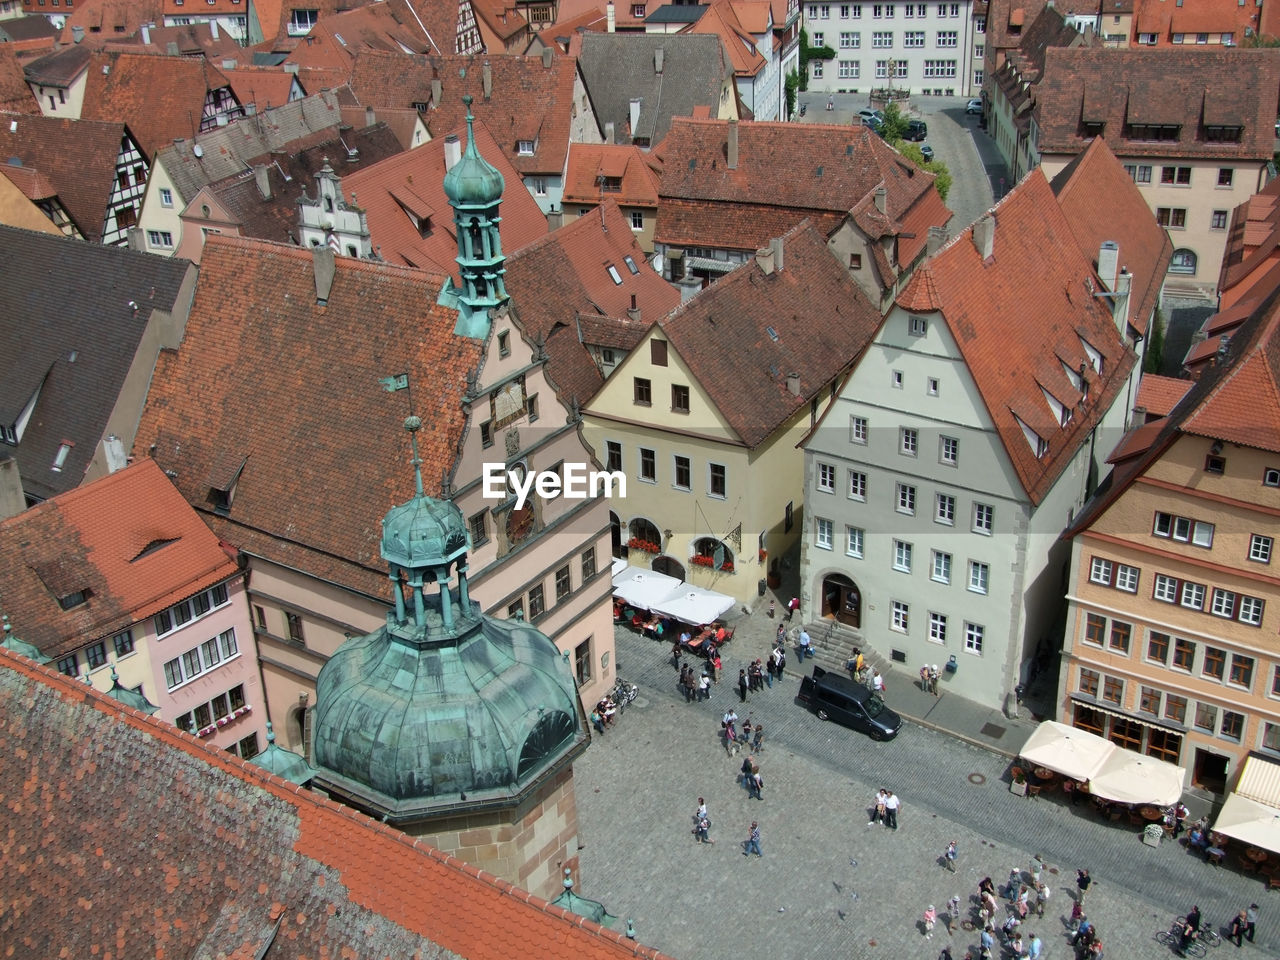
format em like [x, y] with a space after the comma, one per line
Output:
[693, 605]
[1069, 751]
[1252, 810]
[1129, 777]
[643, 588]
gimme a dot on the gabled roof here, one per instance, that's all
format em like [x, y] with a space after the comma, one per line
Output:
[102, 19]
[407, 189]
[388, 27]
[15, 95]
[224, 151]
[1203, 16]
[264, 87]
[160, 98]
[618, 67]
[255, 309]
[186, 40]
[28, 30]
[721, 20]
[60, 68]
[71, 349]
[33, 184]
[1101, 202]
[565, 294]
[78, 157]
[501, 18]
[1253, 240]
[742, 336]
[588, 162]
[128, 539]
[282, 869]
[1159, 395]
[528, 102]
[1185, 88]
[1014, 363]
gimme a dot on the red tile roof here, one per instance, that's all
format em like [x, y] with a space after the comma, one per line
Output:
[33, 184]
[1253, 243]
[410, 185]
[1013, 363]
[160, 98]
[264, 87]
[255, 309]
[128, 538]
[1101, 202]
[280, 866]
[528, 102]
[15, 95]
[743, 335]
[388, 27]
[920, 293]
[722, 20]
[590, 161]
[1205, 16]
[102, 19]
[1159, 395]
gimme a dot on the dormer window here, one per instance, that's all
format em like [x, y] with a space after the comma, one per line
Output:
[8, 434]
[60, 458]
[1092, 129]
[1223, 134]
[1153, 131]
[631, 265]
[524, 148]
[301, 21]
[609, 184]
[614, 275]
[75, 599]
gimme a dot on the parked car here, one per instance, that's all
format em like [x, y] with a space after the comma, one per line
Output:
[926, 151]
[973, 106]
[917, 130]
[866, 113]
[874, 125]
[833, 696]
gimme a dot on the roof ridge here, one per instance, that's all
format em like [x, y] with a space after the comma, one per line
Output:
[295, 252]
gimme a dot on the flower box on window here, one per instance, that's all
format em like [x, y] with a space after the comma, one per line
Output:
[644, 546]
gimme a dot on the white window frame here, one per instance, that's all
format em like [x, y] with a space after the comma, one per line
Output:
[1100, 570]
[984, 518]
[857, 485]
[974, 634]
[948, 451]
[826, 477]
[1260, 548]
[944, 509]
[858, 430]
[941, 571]
[1223, 603]
[855, 538]
[909, 441]
[1165, 588]
[166, 621]
[206, 656]
[902, 551]
[1195, 592]
[906, 495]
[166, 197]
[1251, 610]
[938, 628]
[899, 616]
[1127, 577]
[822, 533]
[979, 577]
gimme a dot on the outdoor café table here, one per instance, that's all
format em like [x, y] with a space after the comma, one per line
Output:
[1044, 773]
[1214, 854]
[696, 644]
[1256, 854]
[1151, 813]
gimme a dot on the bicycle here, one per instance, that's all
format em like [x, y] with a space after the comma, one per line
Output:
[623, 693]
[1173, 938]
[1207, 934]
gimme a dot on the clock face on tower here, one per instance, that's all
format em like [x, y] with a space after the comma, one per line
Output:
[519, 524]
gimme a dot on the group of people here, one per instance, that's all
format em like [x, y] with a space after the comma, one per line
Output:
[929, 679]
[695, 687]
[885, 809]
[749, 738]
[751, 778]
[702, 830]
[603, 714]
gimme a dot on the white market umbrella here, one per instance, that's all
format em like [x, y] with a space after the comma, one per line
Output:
[1255, 823]
[694, 605]
[643, 588]
[1072, 752]
[619, 564]
[1129, 777]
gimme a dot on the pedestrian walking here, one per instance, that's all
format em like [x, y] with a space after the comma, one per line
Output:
[806, 645]
[1010, 927]
[1042, 897]
[1011, 889]
[742, 685]
[1083, 880]
[987, 906]
[746, 770]
[782, 634]
[1037, 868]
[877, 684]
[1238, 925]
[730, 741]
[768, 671]
[924, 678]
[704, 686]
[949, 856]
[677, 650]
[878, 809]
[758, 739]
[755, 785]
[1034, 948]
[782, 662]
[953, 912]
[930, 919]
[1250, 921]
[1023, 903]
[891, 807]
[746, 733]
[987, 940]
[792, 606]
[753, 841]
[1077, 914]
[716, 666]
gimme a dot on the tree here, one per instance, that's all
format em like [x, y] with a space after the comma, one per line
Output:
[808, 53]
[894, 126]
[939, 169]
[791, 86]
[1154, 359]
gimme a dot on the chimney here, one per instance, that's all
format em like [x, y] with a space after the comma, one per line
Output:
[136, 240]
[633, 312]
[290, 68]
[555, 219]
[609, 132]
[262, 180]
[1108, 259]
[452, 151]
[610, 17]
[764, 259]
[776, 246]
[635, 115]
[77, 34]
[228, 63]
[937, 240]
[323, 264]
[733, 144]
[250, 109]
[1120, 302]
[793, 384]
[546, 58]
[486, 80]
[882, 198]
[146, 33]
[370, 117]
[657, 61]
[213, 28]
[984, 236]
[437, 92]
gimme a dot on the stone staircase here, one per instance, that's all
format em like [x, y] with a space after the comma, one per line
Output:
[833, 644]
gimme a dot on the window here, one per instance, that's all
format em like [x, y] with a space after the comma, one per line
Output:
[1176, 175]
[1174, 217]
[123, 642]
[984, 518]
[1260, 548]
[658, 353]
[301, 21]
[941, 69]
[946, 38]
[1158, 647]
[931, 387]
[683, 473]
[1197, 532]
[1218, 221]
[1095, 629]
[850, 41]
[60, 460]
[642, 391]
[1149, 701]
[855, 261]
[1184, 654]
[913, 38]
[1183, 261]
[679, 398]
[938, 627]
[613, 455]
[486, 434]
[941, 567]
[1193, 596]
[180, 614]
[1100, 571]
[978, 575]
[882, 39]
[1232, 725]
[909, 442]
[1126, 578]
[822, 533]
[979, 24]
[906, 499]
[896, 379]
[819, 38]
[857, 485]
[1175, 708]
[1113, 690]
[515, 609]
[479, 527]
[945, 509]
[1141, 173]
[853, 541]
[1166, 588]
[564, 583]
[902, 556]
[294, 623]
[1251, 611]
[524, 148]
[648, 465]
[200, 661]
[718, 483]
[588, 564]
[950, 454]
[637, 220]
[858, 434]
[1121, 632]
[849, 70]
[1225, 176]
[582, 661]
[827, 477]
[1126, 733]
[537, 603]
[96, 654]
[973, 636]
[1271, 737]
[816, 67]
[1224, 605]
[900, 617]
[1271, 477]
[1241, 670]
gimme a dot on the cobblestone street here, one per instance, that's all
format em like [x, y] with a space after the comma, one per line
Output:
[828, 885]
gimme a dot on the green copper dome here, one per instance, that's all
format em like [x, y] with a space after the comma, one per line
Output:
[423, 532]
[283, 763]
[17, 645]
[130, 698]
[473, 181]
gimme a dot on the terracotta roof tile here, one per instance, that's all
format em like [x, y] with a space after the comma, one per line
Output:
[921, 293]
[412, 183]
[128, 538]
[985, 305]
[722, 20]
[302, 874]
[1253, 242]
[743, 335]
[15, 95]
[590, 161]
[257, 300]
[388, 27]
[1159, 395]
[264, 87]
[101, 19]
[33, 184]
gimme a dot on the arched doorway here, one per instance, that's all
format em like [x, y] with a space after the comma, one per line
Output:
[615, 533]
[670, 566]
[842, 600]
[645, 535]
[710, 552]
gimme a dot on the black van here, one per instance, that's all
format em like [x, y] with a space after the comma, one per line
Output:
[833, 696]
[917, 130]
